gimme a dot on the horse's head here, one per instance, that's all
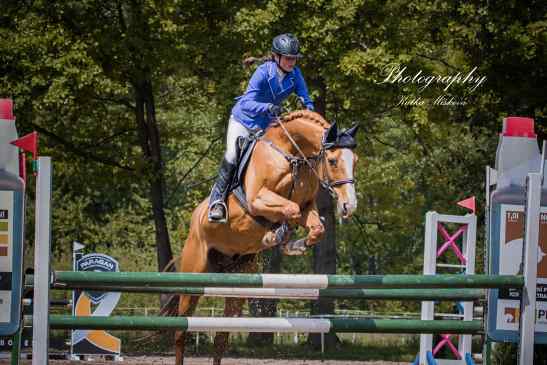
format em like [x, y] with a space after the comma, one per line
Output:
[340, 161]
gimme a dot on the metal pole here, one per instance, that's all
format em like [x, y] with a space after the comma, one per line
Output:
[42, 251]
[531, 241]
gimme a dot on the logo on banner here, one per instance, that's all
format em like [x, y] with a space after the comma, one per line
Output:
[511, 315]
[95, 303]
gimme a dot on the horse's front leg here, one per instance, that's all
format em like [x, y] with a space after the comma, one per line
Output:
[273, 207]
[312, 222]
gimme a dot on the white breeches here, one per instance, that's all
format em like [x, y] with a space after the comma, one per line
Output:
[235, 129]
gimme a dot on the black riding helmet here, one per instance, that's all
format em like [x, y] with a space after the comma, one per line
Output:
[286, 45]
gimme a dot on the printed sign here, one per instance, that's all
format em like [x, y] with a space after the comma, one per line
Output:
[11, 247]
[94, 303]
[507, 260]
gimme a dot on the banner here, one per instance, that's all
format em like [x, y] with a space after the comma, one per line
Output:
[93, 303]
[504, 304]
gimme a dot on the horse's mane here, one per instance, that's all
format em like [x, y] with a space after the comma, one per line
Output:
[306, 115]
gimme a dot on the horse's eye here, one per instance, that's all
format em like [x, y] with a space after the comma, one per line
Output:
[332, 162]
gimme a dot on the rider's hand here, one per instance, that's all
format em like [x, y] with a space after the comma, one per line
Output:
[275, 110]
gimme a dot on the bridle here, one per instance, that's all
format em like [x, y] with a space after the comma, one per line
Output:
[296, 162]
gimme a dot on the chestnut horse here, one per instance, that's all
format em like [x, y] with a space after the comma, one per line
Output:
[293, 157]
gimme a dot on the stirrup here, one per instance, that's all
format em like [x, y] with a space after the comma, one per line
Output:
[221, 220]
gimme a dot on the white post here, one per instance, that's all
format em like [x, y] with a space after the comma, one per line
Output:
[469, 243]
[42, 251]
[430, 261]
[531, 241]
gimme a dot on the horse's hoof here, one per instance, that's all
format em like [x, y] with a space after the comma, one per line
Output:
[269, 240]
[295, 248]
[283, 234]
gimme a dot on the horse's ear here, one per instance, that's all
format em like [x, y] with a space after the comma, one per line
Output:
[331, 134]
[353, 130]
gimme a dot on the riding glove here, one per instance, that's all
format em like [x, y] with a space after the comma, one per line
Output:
[275, 110]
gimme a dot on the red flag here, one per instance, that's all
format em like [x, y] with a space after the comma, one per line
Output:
[468, 203]
[28, 143]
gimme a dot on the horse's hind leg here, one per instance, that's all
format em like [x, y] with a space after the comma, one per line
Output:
[192, 260]
[187, 305]
[232, 308]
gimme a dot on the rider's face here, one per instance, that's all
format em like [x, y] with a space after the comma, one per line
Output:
[287, 63]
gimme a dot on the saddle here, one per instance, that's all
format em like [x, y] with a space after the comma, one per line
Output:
[245, 147]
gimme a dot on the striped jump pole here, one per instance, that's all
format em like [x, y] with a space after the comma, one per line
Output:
[306, 294]
[292, 293]
[231, 324]
[82, 279]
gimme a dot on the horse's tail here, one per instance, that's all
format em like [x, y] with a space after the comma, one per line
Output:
[171, 264]
[170, 301]
[171, 306]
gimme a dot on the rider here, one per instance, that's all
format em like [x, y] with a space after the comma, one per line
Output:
[270, 85]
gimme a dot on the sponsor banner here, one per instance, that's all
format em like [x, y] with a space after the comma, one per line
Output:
[507, 257]
[11, 251]
[94, 303]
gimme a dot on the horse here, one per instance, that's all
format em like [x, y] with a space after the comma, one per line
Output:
[290, 161]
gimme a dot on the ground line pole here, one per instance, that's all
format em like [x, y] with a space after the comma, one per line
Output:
[42, 251]
[531, 241]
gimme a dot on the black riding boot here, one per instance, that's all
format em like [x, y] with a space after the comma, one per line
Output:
[218, 211]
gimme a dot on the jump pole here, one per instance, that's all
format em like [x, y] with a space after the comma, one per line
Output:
[302, 294]
[250, 324]
[82, 279]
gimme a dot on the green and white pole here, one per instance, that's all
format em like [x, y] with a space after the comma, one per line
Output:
[83, 279]
[232, 324]
[305, 294]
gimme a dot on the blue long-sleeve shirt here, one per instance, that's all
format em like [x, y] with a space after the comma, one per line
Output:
[251, 108]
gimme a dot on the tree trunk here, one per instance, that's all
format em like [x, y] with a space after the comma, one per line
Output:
[324, 252]
[265, 307]
[145, 114]
[324, 262]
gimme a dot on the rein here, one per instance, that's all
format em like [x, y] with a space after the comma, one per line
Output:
[296, 162]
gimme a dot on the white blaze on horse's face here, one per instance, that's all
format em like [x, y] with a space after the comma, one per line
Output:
[341, 167]
[347, 206]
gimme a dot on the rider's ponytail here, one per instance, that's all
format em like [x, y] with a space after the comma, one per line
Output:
[249, 61]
